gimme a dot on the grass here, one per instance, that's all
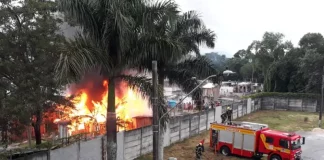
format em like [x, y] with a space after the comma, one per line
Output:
[277, 120]
[284, 120]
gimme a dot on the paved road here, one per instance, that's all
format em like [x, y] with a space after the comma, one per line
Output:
[313, 148]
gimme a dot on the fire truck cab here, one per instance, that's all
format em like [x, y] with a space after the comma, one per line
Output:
[254, 140]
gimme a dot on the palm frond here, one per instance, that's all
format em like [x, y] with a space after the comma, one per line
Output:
[153, 11]
[155, 47]
[78, 57]
[192, 40]
[188, 21]
[84, 13]
[200, 67]
[182, 77]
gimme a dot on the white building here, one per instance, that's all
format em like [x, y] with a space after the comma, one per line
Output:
[210, 92]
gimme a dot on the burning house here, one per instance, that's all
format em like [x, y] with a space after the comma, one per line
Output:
[90, 105]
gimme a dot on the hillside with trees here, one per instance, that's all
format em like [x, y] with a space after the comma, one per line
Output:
[280, 65]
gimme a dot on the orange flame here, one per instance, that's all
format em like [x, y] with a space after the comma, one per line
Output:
[128, 105]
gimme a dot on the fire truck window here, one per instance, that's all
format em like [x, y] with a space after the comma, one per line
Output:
[269, 140]
[284, 143]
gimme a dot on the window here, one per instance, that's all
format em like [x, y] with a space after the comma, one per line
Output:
[295, 144]
[269, 140]
[284, 143]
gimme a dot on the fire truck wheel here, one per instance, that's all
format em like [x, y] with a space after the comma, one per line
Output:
[275, 157]
[225, 151]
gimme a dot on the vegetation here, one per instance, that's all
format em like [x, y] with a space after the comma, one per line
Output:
[278, 64]
[28, 47]
[284, 95]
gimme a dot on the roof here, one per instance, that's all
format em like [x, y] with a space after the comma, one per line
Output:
[244, 83]
[208, 85]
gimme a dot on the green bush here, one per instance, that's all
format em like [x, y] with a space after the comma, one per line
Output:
[283, 95]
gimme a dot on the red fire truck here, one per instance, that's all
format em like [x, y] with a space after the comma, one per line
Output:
[253, 140]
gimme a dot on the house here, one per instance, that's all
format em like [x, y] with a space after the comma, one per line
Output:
[210, 92]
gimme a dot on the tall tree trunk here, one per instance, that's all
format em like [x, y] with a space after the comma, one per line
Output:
[37, 128]
[111, 124]
[161, 133]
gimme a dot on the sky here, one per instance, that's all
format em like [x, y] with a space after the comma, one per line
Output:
[238, 22]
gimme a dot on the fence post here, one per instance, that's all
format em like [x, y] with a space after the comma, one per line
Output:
[237, 112]
[242, 110]
[274, 103]
[214, 114]
[103, 150]
[48, 154]
[141, 143]
[199, 121]
[207, 111]
[78, 150]
[288, 104]
[189, 125]
[180, 122]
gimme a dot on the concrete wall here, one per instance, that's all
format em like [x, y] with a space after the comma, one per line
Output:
[88, 150]
[134, 143]
[139, 141]
[42, 155]
[308, 105]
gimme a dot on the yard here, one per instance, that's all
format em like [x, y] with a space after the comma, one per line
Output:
[279, 120]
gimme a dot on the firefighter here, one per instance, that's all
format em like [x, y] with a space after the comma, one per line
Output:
[199, 149]
[224, 116]
[229, 114]
[215, 138]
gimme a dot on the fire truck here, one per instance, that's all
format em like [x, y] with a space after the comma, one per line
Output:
[254, 140]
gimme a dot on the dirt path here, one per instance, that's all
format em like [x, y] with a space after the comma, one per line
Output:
[186, 150]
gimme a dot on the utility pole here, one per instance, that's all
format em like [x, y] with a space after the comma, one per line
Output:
[321, 108]
[155, 112]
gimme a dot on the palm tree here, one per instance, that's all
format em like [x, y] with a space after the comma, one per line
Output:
[180, 36]
[110, 31]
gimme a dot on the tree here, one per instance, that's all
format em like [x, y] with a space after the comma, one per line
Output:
[240, 54]
[282, 67]
[176, 39]
[271, 49]
[111, 30]
[312, 41]
[311, 55]
[28, 54]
